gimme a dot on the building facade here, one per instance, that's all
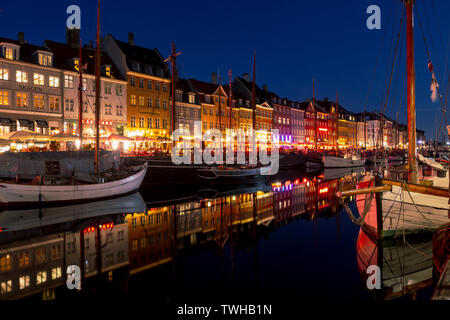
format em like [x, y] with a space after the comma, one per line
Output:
[31, 88]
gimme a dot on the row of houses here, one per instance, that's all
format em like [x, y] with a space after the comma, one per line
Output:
[39, 88]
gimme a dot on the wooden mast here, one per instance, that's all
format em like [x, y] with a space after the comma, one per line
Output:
[337, 124]
[254, 92]
[220, 105]
[230, 98]
[412, 164]
[315, 117]
[97, 95]
[80, 98]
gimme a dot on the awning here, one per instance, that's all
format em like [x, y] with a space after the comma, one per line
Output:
[5, 122]
[42, 124]
[25, 123]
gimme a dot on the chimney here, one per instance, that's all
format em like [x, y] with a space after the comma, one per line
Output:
[73, 37]
[131, 38]
[265, 88]
[214, 78]
[246, 77]
[21, 37]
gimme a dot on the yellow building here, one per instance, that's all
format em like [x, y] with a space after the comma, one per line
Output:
[148, 90]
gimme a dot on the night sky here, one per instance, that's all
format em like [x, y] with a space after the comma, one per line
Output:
[295, 41]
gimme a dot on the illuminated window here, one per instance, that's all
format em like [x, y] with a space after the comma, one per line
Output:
[68, 81]
[5, 263]
[141, 122]
[24, 259]
[134, 245]
[54, 103]
[24, 282]
[40, 255]
[45, 60]
[143, 242]
[41, 277]
[53, 82]
[5, 287]
[133, 100]
[141, 101]
[21, 100]
[133, 121]
[8, 53]
[4, 74]
[21, 76]
[56, 273]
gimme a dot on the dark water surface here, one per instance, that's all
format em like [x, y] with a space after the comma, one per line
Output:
[284, 238]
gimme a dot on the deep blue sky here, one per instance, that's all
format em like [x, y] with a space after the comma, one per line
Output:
[295, 41]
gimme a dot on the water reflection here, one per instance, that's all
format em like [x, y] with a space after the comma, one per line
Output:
[115, 240]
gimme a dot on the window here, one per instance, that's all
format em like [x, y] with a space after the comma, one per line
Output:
[143, 242]
[68, 81]
[149, 102]
[141, 122]
[24, 259]
[205, 111]
[56, 251]
[164, 104]
[5, 287]
[157, 123]
[207, 99]
[45, 60]
[149, 84]
[39, 101]
[149, 123]
[21, 76]
[84, 84]
[133, 121]
[133, 100]
[41, 277]
[141, 101]
[53, 81]
[191, 98]
[132, 81]
[156, 103]
[21, 100]
[5, 263]
[141, 83]
[56, 273]
[156, 85]
[54, 103]
[108, 88]
[119, 90]
[165, 87]
[68, 104]
[134, 245]
[119, 110]
[41, 255]
[165, 124]
[205, 125]
[4, 74]
[24, 282]
[108, 109]
[8, 53]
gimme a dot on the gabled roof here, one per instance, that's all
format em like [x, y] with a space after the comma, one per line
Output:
[137, 55]
[64, 55]
[187, 88]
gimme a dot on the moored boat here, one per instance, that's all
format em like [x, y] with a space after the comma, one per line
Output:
[342, 162]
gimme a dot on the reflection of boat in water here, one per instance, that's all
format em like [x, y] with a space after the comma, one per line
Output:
[336, 173]
[405, 268]
[16, 220]
[231, 174]
[330, 161]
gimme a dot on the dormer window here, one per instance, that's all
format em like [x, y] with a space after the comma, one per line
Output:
[10, 51]
[207, 98]
[44, 58]
[107, 70]
[179, 95]
[191, 98]
[148, 69]
[76, 64]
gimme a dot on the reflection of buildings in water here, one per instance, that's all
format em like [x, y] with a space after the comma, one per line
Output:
[289, 200]
[405, 268]
[149, 238]
[113, 248]
[28, 267]
[321, 195]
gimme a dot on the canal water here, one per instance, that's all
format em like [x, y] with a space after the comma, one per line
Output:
[287, 237]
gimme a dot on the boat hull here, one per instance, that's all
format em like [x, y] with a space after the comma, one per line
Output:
[19, 194]
[338, 162]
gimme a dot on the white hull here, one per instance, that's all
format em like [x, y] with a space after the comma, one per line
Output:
[16, 194]
[338, 162]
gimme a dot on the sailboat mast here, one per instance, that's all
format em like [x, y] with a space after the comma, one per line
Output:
[174, 65]
[412, 164]
[230, 99]
[220, 105]
[80, 99]
[337, 123]
[97, 94]
[315, 116]
[254, 92]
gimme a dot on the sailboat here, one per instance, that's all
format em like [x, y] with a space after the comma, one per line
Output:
[102, 186]
[394, 208]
